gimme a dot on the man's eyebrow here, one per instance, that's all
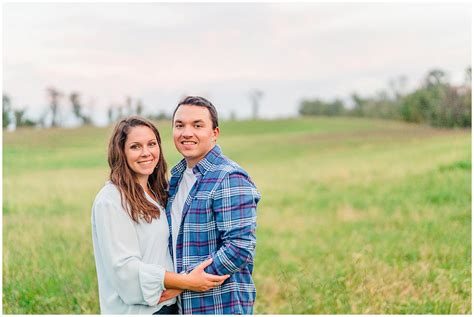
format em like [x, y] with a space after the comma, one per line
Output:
[195, 121]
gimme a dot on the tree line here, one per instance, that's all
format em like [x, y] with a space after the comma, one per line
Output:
[53, 114]
[57, 108]
[436, 102]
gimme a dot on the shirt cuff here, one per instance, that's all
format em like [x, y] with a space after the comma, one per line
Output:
[152, 282]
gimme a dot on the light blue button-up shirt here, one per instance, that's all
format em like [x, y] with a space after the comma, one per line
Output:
[131, 258]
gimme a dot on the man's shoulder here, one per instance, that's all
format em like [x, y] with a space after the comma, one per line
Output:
[225, 166]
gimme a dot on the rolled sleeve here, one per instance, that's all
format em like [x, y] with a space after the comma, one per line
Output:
[152, 278]
[235, 207]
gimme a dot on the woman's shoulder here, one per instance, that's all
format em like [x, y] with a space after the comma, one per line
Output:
[109, 193]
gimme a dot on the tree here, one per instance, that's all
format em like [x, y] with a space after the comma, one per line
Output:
[115, 112]
[110, 114]
[335, 108]
[319, 107]
[54, 96]
[436, 102]
[468, 76]
[120, 112]
[398, 86]
[21, 120]
[255, 97]
[416, 107]
[162, 115]
[6, 111]
[467, 99]
[232, 116]
[128, 106]
[77, 108]
[139, 107]
[435, 78]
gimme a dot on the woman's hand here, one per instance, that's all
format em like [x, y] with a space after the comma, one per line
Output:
[169, 293]
[200, 281]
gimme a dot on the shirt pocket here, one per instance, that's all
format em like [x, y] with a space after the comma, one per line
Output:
[201, 226]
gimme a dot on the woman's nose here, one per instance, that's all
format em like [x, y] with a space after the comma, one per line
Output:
[145, 151]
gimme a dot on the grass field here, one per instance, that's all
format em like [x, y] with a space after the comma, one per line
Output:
[356, 216]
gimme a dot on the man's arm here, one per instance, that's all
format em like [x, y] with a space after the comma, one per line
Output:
[234, 205]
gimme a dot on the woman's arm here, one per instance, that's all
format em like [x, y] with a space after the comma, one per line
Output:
[197, 280]
[137, 282]
[169, 294]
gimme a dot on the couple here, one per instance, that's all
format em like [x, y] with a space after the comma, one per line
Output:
[186, 246]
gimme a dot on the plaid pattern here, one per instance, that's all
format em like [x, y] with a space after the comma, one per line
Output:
[219, 221]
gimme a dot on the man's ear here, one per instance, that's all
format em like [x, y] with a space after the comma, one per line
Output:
[216, 134]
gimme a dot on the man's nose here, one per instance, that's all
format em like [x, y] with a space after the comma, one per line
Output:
[187, 132]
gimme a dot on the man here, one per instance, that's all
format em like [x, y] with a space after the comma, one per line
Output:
[212, 213]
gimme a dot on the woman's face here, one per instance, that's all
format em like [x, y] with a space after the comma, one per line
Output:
[142, 151]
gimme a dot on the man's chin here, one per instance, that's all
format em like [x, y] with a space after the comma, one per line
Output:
[188, 156]
[186, 153]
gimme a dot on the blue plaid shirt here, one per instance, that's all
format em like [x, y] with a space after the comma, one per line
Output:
[219, 221]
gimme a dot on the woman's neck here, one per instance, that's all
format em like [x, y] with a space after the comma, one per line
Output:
[143, 181]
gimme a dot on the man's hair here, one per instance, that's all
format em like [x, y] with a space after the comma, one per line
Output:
[200, 102]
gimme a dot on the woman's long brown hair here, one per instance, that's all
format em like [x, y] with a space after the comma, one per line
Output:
[122, 176]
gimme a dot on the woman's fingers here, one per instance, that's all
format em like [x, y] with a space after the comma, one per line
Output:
[215, 281]
[217, 278]
[165, 295]
[169, 293]
[204, 264]
[207, 281]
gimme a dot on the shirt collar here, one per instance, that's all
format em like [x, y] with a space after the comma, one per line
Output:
[203, 166]
[208, 161]
[179, 168]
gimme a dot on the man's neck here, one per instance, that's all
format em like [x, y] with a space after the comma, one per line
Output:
[192, 163]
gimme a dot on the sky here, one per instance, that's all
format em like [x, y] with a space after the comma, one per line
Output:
[160, 52]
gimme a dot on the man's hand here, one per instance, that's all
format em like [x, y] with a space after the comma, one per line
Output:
[200, 281]
[169, 293]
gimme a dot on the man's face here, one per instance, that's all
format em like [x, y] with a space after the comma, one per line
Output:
[193, 134]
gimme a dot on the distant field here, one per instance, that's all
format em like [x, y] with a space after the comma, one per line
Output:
[357, 216]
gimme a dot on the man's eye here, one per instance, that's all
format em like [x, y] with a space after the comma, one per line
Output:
[197, 126]
[178, 126]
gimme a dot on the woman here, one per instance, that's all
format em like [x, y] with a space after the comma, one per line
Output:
[130, 230]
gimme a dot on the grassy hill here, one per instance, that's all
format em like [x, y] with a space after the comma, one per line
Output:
[356, 216]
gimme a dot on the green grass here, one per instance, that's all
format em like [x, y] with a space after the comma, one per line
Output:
[357, 216]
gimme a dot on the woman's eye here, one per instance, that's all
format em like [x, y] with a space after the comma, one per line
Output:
[152, 144]
[134, 147]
